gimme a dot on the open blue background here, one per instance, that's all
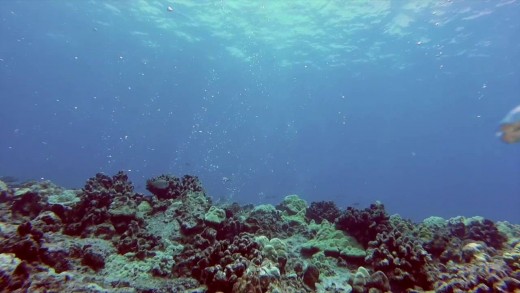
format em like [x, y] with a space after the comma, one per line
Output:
[400, 105]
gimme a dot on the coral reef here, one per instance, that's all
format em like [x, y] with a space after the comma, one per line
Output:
[108, 238]
[444, 241]
[365, 224]
[218, 264]
[477, 276]
[170, 187]
[323, 210]
[401, 257]
[334, 243]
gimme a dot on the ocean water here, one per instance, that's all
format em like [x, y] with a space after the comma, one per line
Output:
[350, 101]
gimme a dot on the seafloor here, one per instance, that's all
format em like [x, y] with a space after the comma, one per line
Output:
[108, 238]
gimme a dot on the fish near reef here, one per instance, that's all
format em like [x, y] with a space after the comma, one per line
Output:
[510, 126]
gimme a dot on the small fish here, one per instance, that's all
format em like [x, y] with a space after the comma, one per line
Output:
[510, 126]
[9, 179]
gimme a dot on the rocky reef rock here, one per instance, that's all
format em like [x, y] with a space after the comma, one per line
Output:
[401, 257]
[365, 224]
[323, 210]
[334, 243]
[106, 237]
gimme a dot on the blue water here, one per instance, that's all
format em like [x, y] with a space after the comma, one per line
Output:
[397, 101]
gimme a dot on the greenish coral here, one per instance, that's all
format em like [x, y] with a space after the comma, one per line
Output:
[22, 191]
[333, 278]
[293, 205]
[126, 267]
[66, 198]
[264, 209]
[270, 271]
[512, 232]
[434, 222]
[144, 208]
[361, 277]
[512, 258]
[294, 209]
[3, 186]
[262, 240]
[215, 215]
[273, 248]
[334, 243]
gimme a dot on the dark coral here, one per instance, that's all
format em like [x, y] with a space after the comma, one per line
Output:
[29, 244]
[323, 210]
[98, 194]
[446, 241]
[375, 282]
[401, 257]
[93, 258]
[265, 222]
[27, 205]
[271, 224]
[136, 240]
[47, 221]
[378, 280]
[487, 232]
[170, 187]
[233, 225]
[249, 284]
[230, 228]
[311, 276]
[365, 224]
[98, 214]
[220, 264]
[13, 281]
[104, 187]
[438, 244]
[492, 276]
[25, 244]
[31, 199]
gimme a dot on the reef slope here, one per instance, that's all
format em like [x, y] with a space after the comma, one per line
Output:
[108, 238]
